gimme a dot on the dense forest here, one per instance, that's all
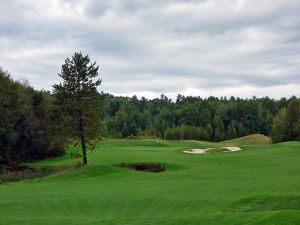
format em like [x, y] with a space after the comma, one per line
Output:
[28, 125]
[26, 122]
[196, 118]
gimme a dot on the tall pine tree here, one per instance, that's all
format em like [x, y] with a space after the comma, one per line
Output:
[76, 99]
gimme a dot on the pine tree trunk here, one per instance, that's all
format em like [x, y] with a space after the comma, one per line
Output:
[82, 139]
[83, 149]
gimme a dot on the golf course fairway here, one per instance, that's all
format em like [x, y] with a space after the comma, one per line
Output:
[258, 185]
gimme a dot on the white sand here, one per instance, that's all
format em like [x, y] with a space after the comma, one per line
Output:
[197, 151]
[232, 149]
[204, 150]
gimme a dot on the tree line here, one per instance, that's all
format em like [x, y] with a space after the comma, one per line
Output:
[26, 122]
[37, 124]
[196, 118]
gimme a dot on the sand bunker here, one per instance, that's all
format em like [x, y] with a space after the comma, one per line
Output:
[212, 150]
[145, 167]
[232, 149]
[197, 151]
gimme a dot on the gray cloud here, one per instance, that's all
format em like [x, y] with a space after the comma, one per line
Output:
[205, 47]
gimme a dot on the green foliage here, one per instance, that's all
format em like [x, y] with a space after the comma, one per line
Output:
[219, 129]
[232, 132]
[103, 129]
[27, 174]
[286, 124]
[210, 132]
[204, 118]
[221, 118]
[25, 121]
[293, 119]
[185, 132]
[8, 107]
[280, 127]
[77, 100]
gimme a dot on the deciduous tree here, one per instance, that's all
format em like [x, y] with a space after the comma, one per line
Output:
[280, 127]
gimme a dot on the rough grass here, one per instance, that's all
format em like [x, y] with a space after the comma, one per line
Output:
[216, 150]
[23, 172]
[256, 186]
[253, 139]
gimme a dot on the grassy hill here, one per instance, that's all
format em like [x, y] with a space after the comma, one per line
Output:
[253, 139]
[252, 186]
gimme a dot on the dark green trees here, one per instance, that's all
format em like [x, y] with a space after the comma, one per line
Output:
[8, 107]
[24, 122]
[77, 98]
[293, 119]
[219, 129]
[279, 131]
[213, 119]
[286, 124]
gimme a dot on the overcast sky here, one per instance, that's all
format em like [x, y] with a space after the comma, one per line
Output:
[149, 47]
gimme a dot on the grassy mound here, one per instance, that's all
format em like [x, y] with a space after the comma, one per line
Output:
[253, 139]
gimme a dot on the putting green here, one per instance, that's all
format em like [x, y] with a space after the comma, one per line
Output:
[259, 185]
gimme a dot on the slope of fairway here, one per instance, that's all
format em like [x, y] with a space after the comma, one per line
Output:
[253, 139]
[253, 186]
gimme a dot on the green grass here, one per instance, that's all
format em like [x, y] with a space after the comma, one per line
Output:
[253, 139]
[258, 185]
[216, 150]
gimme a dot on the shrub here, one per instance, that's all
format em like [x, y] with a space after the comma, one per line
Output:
[146, 167]
[57, 150]
[14, 173]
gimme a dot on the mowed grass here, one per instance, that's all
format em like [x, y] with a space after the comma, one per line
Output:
[258, 185]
